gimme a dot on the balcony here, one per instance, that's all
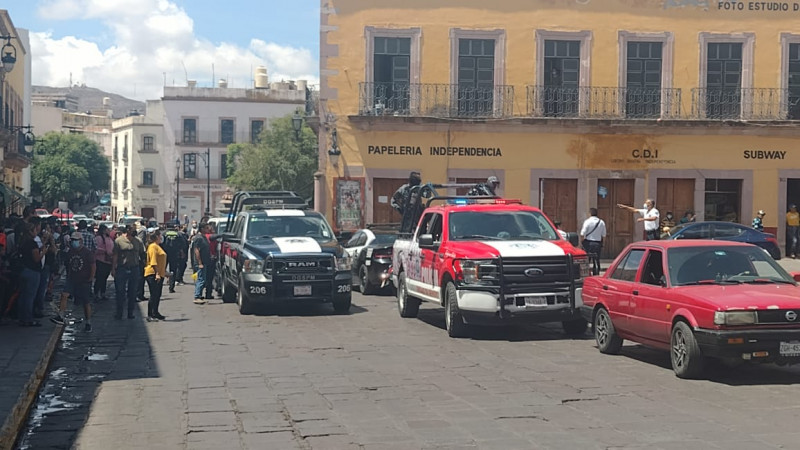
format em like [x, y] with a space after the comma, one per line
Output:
[17, 159]
[210, 138]
[745, 104]
[603, 102]
[435, 100]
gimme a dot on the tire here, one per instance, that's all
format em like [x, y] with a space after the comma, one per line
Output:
[575, 327]
[605, 335]
[228, 293]
[364, 285]
[407, 306]
[687, 359]
[342, 306]
[245, 307]
[454, 322]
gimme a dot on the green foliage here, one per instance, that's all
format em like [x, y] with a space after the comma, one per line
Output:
[279, 161]
[66, 165]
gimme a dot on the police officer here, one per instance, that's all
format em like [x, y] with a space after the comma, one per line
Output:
[489, 188]
[402, 195]
[173, 246]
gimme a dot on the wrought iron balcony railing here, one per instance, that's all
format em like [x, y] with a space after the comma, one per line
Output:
[435, 100]
[745, 104]
[603, 102]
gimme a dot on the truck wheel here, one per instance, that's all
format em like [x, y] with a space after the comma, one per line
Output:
[575, 327]
[605, 335]
[364, 285]
[456, 328]
[228, 293]
[408, 306]
[245, 307]
[687, 360]
[342, 306]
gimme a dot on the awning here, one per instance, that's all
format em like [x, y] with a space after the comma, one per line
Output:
[12, 197]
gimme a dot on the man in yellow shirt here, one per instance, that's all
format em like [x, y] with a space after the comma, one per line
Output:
[792, 230]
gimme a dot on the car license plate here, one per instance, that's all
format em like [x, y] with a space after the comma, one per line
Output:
[790, 348]
[535, 301]
[302, 290]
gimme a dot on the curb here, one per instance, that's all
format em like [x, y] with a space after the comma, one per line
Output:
[19, 414]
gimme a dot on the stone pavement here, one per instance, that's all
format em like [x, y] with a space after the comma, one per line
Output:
[210, 378]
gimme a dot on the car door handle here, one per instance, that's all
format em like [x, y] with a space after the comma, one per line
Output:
[605, 288]
[635, 292]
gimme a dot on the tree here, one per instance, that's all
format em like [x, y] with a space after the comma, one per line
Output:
[279, 161]
[66, 165]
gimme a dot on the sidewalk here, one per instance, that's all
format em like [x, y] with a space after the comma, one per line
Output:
[25, 354]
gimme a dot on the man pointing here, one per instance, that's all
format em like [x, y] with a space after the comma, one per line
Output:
[650, 217]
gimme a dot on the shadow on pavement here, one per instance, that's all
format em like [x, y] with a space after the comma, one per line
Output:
[306, 310]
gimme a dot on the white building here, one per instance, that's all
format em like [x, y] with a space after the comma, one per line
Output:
[198, 125]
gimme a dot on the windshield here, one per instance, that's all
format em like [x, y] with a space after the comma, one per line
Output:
[384, 239]
[289, 226]
[723, 264]
[501, 225]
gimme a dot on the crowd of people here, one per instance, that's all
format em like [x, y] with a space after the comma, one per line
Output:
[36, 254]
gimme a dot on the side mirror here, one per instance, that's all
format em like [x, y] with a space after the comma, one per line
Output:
[426, 241]
[229, 237]
[795, 276]
[572, 237]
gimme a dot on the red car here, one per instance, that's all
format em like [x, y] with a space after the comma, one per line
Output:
[698, 299]
[65, 214]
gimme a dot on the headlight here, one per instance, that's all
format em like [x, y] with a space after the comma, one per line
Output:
[476, 271]
[253, 266]
[734, 317]
[584, 268]
[344, 263]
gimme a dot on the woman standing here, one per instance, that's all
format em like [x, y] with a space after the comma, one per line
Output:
[31, 273]
[102, 255]
[154, 271]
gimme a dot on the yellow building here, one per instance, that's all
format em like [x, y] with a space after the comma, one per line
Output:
[14, 157]
[572, 104]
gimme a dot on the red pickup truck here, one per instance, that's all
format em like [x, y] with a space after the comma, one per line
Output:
[487, 262]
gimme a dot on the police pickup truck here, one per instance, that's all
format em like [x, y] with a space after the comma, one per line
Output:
[489, 261]
[275, 251]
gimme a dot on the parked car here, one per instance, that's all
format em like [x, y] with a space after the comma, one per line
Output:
[79, 217]
[697, 299]
[220, 223]
[371, 251]
[43, 213]
[65, 214]
[105, 199]
[101, 212]
[725, 231]
[130, 220]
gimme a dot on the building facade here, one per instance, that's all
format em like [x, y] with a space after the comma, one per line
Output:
[139, 182]
[571, 104]
[15, 89]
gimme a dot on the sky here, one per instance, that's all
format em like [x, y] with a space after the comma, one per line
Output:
[135, 47]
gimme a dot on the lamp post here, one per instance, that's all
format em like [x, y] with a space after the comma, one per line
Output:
[8, 57]
[334, 152]
[207, 159]
[297, 124]
[178, 190]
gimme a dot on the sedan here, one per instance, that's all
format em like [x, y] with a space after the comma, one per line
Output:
[63, 214]
[41, 212]
[697, 299]
[725, 231]
[371, 252]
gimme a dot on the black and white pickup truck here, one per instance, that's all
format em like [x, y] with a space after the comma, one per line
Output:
[276, 251]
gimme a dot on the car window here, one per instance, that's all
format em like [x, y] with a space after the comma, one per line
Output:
[362, 240]
[727, 231]
[425, 225]
[691, 265]
[436, 228]
[626, 270]
[653, 268]
[353, 241]
[699, 231]
[237, 227]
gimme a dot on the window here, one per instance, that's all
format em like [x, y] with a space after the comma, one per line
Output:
[189, 165]
[723, 199]
[723, 231]
[147, 178]
[125, 148]
[626, 270]
[353, 242]
[256, 127]
[116, 148]
[793, 81]
[125, 181]
[392, 73]
[223, 166]
[699, 231]
[226, 131]
[724, 80]
[475, 77]
[643, 79]
[148, 144]
[653, 269]
[189, 131]
[562, 61]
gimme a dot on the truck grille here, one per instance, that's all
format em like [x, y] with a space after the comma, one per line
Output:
[297, 264]
[779, 316]
[535, 274]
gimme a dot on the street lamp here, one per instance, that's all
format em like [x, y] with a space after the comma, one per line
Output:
[207, 159]
[334, 152]
[178, 190]
[8, 57]
[297, 124]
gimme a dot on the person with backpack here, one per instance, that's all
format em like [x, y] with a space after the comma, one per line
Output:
[593, 232]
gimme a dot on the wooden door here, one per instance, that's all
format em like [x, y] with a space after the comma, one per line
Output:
[619, 222]
[148, 213]
[472, 181]
[559, 201]
[675, 195]
[382, 191]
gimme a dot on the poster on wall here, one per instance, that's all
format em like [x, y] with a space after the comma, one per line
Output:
[348, 204]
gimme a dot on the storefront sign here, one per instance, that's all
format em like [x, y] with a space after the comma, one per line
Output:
[741, 5]
[644, 155]
[764, 154]
[434, 151]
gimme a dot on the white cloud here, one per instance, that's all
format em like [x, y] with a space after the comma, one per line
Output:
[152, 40]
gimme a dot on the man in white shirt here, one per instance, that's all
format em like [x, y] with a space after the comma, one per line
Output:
[650, 217]
[593, 232]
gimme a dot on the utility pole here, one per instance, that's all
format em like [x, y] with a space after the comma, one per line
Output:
[208, 181]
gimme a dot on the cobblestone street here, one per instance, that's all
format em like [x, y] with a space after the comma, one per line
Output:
[211, 378]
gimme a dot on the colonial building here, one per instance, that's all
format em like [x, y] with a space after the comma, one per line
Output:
[571, 104]
[15, 86]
